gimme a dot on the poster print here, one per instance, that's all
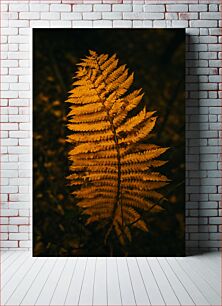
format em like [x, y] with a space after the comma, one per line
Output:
[108, 142]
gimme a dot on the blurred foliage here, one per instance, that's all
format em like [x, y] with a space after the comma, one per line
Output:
[157, 58]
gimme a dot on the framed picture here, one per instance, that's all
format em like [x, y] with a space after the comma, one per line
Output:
[108, 142]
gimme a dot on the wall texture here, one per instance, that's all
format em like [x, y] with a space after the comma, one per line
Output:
[203, 101]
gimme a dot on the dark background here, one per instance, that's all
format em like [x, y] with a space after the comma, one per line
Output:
[157, 58]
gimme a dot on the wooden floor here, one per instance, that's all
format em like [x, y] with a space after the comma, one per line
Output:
[192, 280]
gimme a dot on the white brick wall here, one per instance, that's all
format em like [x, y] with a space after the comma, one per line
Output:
[201, 19]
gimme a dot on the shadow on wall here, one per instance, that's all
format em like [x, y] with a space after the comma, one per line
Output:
[193, 138]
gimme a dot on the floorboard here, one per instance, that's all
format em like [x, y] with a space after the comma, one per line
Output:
[61, 290]
[100, 283]
[179, 289]
[86, 295]
[75, 287]
[127, 292]
[153, 290]
[5, 255]
[48, 290]
[206, 273]
[27, 280]
[190, 285]
[207, 291]
[113, 284]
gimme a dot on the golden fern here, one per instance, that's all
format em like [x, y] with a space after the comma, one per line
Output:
[110, 164]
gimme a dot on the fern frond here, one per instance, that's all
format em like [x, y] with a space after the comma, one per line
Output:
[84, 127]
[113, 169]
[144, 156]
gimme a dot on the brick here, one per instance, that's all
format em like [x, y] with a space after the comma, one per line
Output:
[9, 31]
[9, 63]
[19, 205]
[112, 15]
[19, 118]
[9, 173]
[18, 149]
[82, 24]
[9, 212]
[71, 16]
[215, 220]
[208, 212]
[24, 157]
[188, 16]
[4, 220]
[213, 7]
[177, 8]
[60, 24]
[9, 126]
[60, 7]
[191, 221]
[162, 24]
[137, 8]
[9, 94]
[122, 7]
[215, 236]
[122, 23]
[82, 8]
[4, 118]
[102, 7]
[137, 23]
[4, 134]
[18, 236]
[203, 23]
[18, 23]
[4, 236]
[147, 24]
[18, 7]
[24, 212]
[4, 102]
[29, 15]
[215, 31]
[209, 15]
[24, 126]
[92, 16]
[9, 244]
[134, 15]
[24, 47]
[19, 102]
[4, 181]
[19, 71]
[198, 7]
[210, 244]
[154, 8]
[199, 236]
[52, 16]
[9, 166]
[39, 7]
[24, 229]
[8, 228]
[215, 63]
[4, 7]
[39, 23]
[9, 79]
[18, 220]
[208, 39]
[171, 16]
[102, 24]
[19, 86]
[25, 244]
[209, 228]
[180, 23]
